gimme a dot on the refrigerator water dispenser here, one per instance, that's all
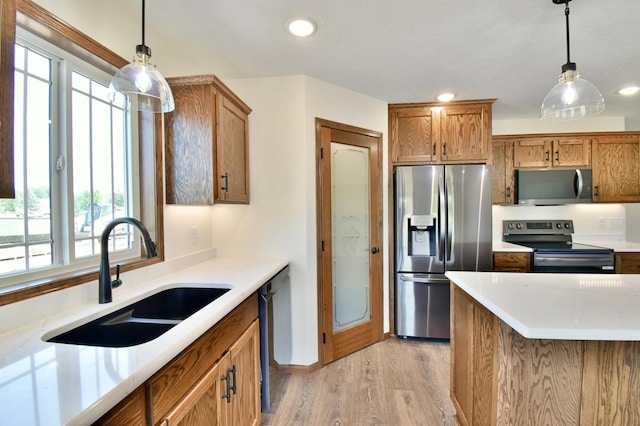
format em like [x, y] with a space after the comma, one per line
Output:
[422, 235]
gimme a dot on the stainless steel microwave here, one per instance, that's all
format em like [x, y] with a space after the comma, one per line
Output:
[544, 187]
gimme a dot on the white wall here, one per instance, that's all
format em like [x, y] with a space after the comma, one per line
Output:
[527, 126]
[281, 219]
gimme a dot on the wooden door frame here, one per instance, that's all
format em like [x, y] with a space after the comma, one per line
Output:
[319, 124]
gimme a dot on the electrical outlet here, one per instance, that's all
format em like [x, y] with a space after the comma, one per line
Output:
[194, 235]
[616, 222]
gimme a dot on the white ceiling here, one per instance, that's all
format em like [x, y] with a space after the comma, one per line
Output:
[411, 50]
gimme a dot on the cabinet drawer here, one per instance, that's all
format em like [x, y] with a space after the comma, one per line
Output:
[627, 263]
[511, 261]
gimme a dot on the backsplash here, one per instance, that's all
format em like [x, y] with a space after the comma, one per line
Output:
[595, 222]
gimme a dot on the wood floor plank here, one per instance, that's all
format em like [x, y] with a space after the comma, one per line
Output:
[394, 382]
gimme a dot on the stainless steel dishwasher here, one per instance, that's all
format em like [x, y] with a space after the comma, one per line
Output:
[275, 330]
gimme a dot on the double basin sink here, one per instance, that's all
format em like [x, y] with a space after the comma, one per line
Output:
[144, 320]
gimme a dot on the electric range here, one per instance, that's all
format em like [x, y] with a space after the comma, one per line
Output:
[554, 249]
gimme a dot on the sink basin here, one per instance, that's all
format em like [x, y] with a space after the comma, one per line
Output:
[142, 321]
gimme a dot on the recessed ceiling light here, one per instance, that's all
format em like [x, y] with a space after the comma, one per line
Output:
[629, 90]
[301, 27]
[446, 97]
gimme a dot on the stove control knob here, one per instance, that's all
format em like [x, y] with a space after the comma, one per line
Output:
[559, 225]
[567, 225]
[518, 225]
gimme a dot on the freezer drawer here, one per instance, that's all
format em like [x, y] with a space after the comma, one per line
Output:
[422, 306]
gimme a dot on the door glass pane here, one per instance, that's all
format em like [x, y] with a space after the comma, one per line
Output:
[350, 235]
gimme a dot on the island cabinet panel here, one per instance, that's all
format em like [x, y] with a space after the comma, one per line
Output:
[456, 132]
[612, 378]
[206, 143]
[499, 377]
[616, 169]
[627, 263]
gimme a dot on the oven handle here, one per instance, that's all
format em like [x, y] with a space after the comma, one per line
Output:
[572, 259]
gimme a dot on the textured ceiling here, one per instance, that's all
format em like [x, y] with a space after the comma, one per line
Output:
[411, 50]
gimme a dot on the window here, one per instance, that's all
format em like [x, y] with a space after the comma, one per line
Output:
[73, 164]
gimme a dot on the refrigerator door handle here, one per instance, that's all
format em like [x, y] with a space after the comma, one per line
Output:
[450, 216]
[424, 279]
[441, 218]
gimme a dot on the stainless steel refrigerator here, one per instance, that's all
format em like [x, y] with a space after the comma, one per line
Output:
[443, 223]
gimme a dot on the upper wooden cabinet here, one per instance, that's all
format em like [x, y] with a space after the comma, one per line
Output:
[502, 177]
[456, 132]
[616, 168]
[206, 143]
[7, 47]
[552, 152]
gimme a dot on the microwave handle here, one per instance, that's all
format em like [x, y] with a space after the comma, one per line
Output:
[578, 183]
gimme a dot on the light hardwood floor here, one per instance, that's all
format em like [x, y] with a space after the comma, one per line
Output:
[395, 382]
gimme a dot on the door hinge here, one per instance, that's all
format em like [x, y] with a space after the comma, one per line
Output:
[322, 153]
[322, 245]
[324, 338]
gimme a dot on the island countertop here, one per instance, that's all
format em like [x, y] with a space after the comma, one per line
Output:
[45, 383]
[559, 306]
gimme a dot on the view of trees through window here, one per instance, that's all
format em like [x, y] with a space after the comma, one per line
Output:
[72, 160]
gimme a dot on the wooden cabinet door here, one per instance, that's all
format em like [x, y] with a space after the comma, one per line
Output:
[616, 169]
[189, 140]
[532, 153]
[232, 153]
[571, 152]
[245, 376]
[465, 133]
[413, 134]
[206, 403]
[502, 179]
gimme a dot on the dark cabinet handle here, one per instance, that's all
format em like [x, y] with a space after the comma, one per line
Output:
[233, 372]
[227, 394]
[225, 176]
[434, 150]
[597, 190]
[508, 191]
[375, 250]
[546, 156]
[558, 156]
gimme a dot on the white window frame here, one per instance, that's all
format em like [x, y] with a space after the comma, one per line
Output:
[61, 192]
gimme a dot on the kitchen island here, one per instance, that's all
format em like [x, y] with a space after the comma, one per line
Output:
[545, 349]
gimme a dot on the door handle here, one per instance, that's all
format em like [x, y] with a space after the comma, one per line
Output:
[375, 250]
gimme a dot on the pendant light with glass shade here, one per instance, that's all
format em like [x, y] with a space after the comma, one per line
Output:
[573, 97]
[141, 82]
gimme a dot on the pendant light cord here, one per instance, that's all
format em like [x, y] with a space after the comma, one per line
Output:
[566, 17]
[143, 25]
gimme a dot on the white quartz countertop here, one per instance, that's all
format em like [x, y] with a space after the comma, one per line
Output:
[59, 384]
[559, 306]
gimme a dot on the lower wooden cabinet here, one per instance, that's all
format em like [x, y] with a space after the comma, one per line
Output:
[511, 261]
[213, 382]
[627, 263]
[229, 393]
[129, 412]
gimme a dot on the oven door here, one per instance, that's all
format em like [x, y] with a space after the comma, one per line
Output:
[567, 261]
